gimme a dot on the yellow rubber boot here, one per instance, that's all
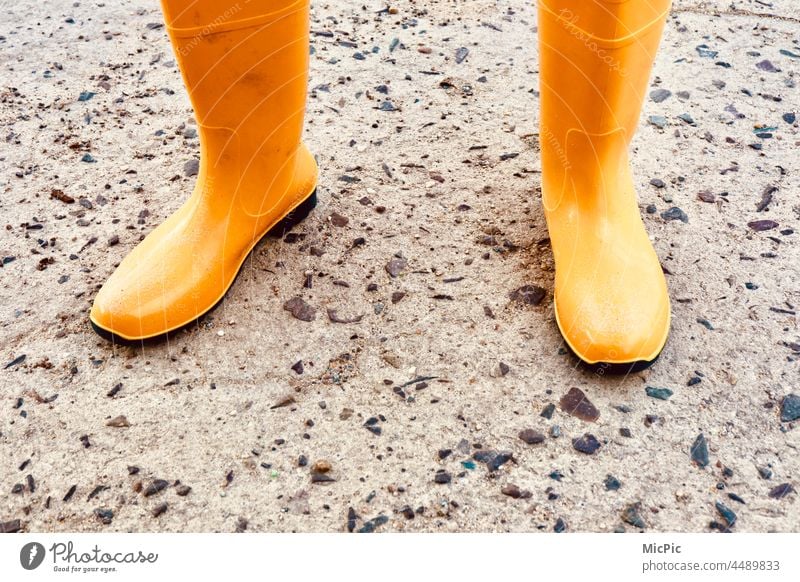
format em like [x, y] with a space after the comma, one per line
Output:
[611, 299]
[245, 66]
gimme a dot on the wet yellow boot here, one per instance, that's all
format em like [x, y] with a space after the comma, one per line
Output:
[611, 299]
[245, 65]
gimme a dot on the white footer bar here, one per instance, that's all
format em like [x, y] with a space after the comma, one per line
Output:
[390, 557]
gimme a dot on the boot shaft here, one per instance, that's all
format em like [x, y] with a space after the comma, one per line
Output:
[595, 61]
[245, 64]
[245, 67]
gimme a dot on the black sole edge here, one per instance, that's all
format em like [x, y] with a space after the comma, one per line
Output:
[613, 369]
[286, 224]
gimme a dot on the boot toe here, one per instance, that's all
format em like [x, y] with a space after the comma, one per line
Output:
[123, 312]
[615, 319]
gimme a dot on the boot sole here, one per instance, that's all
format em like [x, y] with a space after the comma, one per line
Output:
[610, 368]
[281, 228]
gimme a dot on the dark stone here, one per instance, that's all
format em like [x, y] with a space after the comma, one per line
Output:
[675, 213]
[372, 524]
[706, 52]
[560, 526]
[727, 513]
[631, 515]
[548, 411]
[97, 491]
[396, 266]
[586, 444]
[300, 309]
[531, 437]
[659, 393]
[762, 225]
[736, 498]
[767, 66]
[528, 295]
[104, 514]
[12, 526]
[790, 408]
[578, 405]
[499, 460]
[155, 486]
[659, 95]
[15, 362]
[699, 451]
[484, 456]
[515, 492]
[339, 220]
[191, 168]
[442, 478]
[70, 493]
[781, 491]
[612, 483]
[322, 478]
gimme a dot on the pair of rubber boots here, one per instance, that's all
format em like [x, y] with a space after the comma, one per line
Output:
[246, 67]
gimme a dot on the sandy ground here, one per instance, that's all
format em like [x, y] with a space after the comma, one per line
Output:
[221, 410]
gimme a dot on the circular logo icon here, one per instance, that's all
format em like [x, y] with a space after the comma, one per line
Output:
[31, 555]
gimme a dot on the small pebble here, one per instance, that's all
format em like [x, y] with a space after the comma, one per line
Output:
[727, 514]
[155, 486]
[586, 444]
[699, 451]
[675, 213]
[576, 403]
[528, 295]
[658, 393]
[611, 483]
[515, 492]
[781, 491]
[442, 477]
[659, 95]
[790, 408]
[531, 437]
[631, 515]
